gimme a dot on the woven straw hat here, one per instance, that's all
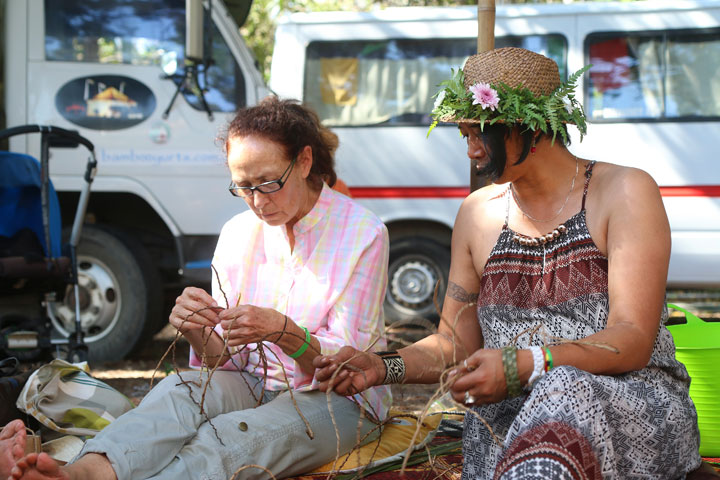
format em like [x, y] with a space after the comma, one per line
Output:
[513, 67]
[511, 86]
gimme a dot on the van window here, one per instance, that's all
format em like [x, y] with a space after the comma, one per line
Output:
[653, 76]
[224, 79]
[137, 32]
[369, 82]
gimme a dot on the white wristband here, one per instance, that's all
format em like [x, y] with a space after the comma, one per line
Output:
[538, 366]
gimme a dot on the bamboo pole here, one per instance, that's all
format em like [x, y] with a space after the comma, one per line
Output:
[486, 25]
[485, 42]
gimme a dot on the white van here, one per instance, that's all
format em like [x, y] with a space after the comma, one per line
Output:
[652, 99]
[160, 196]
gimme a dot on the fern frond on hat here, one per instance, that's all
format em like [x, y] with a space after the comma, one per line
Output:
[511, 86]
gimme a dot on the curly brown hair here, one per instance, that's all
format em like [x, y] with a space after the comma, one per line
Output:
[293, 126]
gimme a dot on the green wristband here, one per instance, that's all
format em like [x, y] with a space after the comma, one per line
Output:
[548, 360]
[304, 346]
[510, 368]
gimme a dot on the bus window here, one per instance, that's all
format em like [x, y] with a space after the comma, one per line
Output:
[138, 32]
[653, 76]
[369, 82]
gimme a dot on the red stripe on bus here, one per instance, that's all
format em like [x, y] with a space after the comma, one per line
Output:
[691, 191]
[462, 192]
[410, 192]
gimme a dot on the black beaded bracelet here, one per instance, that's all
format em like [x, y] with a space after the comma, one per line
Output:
[510, 368]
[394, 367]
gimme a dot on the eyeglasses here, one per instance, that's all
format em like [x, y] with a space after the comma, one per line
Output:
[265, 187]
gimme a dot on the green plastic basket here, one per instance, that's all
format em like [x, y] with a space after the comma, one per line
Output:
[697, 345]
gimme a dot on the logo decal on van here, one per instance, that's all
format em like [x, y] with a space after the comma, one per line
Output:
[105, 102]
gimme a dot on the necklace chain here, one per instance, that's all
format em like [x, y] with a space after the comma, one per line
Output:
[562, 207]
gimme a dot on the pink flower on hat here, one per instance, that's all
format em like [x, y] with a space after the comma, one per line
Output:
[484, 95]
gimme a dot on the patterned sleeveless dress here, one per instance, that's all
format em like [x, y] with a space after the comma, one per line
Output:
[574, 425]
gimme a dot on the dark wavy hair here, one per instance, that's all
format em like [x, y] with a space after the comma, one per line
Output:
[494, 137]
[293, 126]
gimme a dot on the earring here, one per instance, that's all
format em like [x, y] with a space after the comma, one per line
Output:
[533, 148]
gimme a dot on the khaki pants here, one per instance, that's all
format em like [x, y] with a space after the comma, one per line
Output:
[166, 437]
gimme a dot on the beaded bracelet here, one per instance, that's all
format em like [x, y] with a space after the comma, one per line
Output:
[538, 366]
[394, 367]
[510, 368]
[548, 360]
[304, 346]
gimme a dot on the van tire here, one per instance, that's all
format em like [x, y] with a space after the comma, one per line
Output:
[121, 294]
[416, 265]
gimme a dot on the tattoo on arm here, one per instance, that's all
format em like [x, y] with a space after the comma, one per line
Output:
[456, 292]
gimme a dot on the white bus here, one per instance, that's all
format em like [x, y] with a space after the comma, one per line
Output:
[652, 98]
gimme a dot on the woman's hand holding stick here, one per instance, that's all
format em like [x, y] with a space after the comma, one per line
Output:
[360, 371]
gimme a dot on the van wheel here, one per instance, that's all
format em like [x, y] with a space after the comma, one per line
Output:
[120, 294]
[416, 265]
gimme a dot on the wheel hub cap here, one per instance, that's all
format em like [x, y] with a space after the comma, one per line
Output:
[99, 304]
[413, 284]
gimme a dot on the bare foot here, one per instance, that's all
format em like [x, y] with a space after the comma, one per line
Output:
[38, 467]
[12, 446]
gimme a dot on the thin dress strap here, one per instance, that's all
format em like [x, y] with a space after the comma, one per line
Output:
[507, 208]
[588, 174]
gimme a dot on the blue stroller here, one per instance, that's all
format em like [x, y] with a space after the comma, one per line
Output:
[38, 269]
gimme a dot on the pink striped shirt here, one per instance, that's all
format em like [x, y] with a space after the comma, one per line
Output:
[332, 283]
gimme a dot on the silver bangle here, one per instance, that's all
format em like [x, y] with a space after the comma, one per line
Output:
[394, 367]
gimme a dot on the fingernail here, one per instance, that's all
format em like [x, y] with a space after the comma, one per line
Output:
[452, 373]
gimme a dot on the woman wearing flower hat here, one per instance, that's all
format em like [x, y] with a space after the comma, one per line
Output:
[552, 327]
